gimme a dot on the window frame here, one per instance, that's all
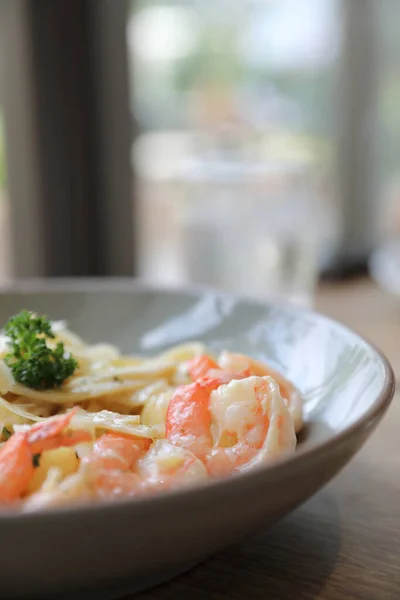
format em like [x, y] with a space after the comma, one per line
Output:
[69, 134]
[69, 145]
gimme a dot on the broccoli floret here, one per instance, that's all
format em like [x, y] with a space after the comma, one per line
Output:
[31, 361]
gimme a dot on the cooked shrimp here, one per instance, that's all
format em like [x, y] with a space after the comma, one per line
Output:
[166, 465]
[120, 466]
[232, 427]
[212, 428]
[250, 424]
[16, 456]
[106, 471]
[190, 404]
[207, 372]
[109, 469]
[237, 362]
[188, 419]
[49, 434]
[16, 467]
[200, 365]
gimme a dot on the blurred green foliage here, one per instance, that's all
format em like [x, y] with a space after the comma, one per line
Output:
[161, 98]
[214, 60]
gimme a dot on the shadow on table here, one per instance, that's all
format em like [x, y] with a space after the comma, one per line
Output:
[293, 559]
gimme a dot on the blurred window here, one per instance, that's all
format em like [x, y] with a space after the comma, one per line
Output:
[388, 155]
[207, 74]
[311, 82]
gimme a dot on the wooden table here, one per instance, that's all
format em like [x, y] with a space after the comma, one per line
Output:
[345, 542]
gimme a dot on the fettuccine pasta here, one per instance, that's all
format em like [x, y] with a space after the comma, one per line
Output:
[122, 426]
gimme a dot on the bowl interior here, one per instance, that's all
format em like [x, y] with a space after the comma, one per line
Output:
[339, 375]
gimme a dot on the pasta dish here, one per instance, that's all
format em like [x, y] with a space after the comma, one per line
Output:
[83, 422]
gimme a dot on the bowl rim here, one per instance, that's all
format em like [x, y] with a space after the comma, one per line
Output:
[278, 466]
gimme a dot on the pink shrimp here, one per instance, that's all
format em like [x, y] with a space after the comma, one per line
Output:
[110, 467]
[16, 467]
[190, 404]
[236, 362]
[233, 426]
[108, 471]
[122, 466]
[206, 371]
[166, 465]
[250, 424]
[188, 419]
[48, 434]
[162, 467]
[200, 365]
[16, 456]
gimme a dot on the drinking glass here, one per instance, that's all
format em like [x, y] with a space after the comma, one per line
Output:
[248, 227]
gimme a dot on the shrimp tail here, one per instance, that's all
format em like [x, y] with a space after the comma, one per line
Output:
[51, 427]
[63, 439]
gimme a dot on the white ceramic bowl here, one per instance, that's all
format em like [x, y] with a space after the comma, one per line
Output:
[103, 551]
